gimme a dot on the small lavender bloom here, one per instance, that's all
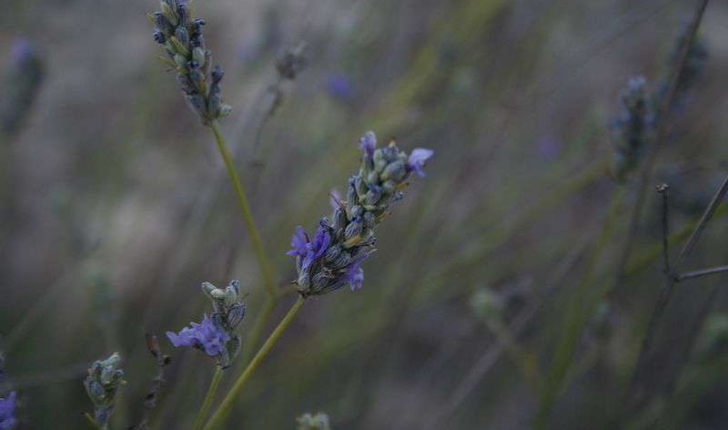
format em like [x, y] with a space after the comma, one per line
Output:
[319, 244]
[368, 143]
[299, 242]
[339, 86]
[417, 160]
[549, 148]
[335, 200]
[355, 275]
[206, 337]
[309, 250]
[7, 412]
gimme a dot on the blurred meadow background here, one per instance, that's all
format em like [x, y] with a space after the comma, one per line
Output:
[497, 299]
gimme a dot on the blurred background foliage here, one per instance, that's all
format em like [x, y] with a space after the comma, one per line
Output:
[118, 208]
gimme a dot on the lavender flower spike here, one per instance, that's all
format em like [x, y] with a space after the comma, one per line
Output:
[333, 258]
[105, 378]
[417, 159]
[184, 45]
[7, 412]
[634, 129]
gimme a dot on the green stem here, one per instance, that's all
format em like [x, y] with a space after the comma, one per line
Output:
[253, 338]
[222, 412]
[265, 267]
[583, 305]
[216, 378]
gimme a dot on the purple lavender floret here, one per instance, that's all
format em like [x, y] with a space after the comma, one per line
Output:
[7, 412]
[339, 86]
[332, 259]
[309, 250]
[299, 242]
[368, 143]
[20, 50]
[319, 244]
[206, 337]
[417, 160]
[355, 275]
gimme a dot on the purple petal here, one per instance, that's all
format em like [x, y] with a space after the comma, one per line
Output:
[417, 160]
[7, 411]
[335, 199]
[368, 143]
[206, 336]
[299, 242]
[355, 274]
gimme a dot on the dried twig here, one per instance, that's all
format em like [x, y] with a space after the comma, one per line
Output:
[635, 387]
[150, 400]
[703, 272]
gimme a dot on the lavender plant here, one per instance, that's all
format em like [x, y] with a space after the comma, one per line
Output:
[105, 378]
[333, 258]
[217, 335]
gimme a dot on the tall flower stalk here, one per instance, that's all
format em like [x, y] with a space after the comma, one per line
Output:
[332, 259]
[180, 34]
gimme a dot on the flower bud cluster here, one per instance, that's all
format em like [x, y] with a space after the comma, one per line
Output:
[307, 421]
[181, 36]
[634, 129]
[104, 379]
[217, 335]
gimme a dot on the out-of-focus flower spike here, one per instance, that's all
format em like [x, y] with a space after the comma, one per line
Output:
[104, 380]
[307, 421]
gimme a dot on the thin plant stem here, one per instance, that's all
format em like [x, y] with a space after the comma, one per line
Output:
[265, 267]
[256, 333]
[207, 403]
[702, 272]
[664, 190]
[520, 357]
[581, 309]
[220, 415]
